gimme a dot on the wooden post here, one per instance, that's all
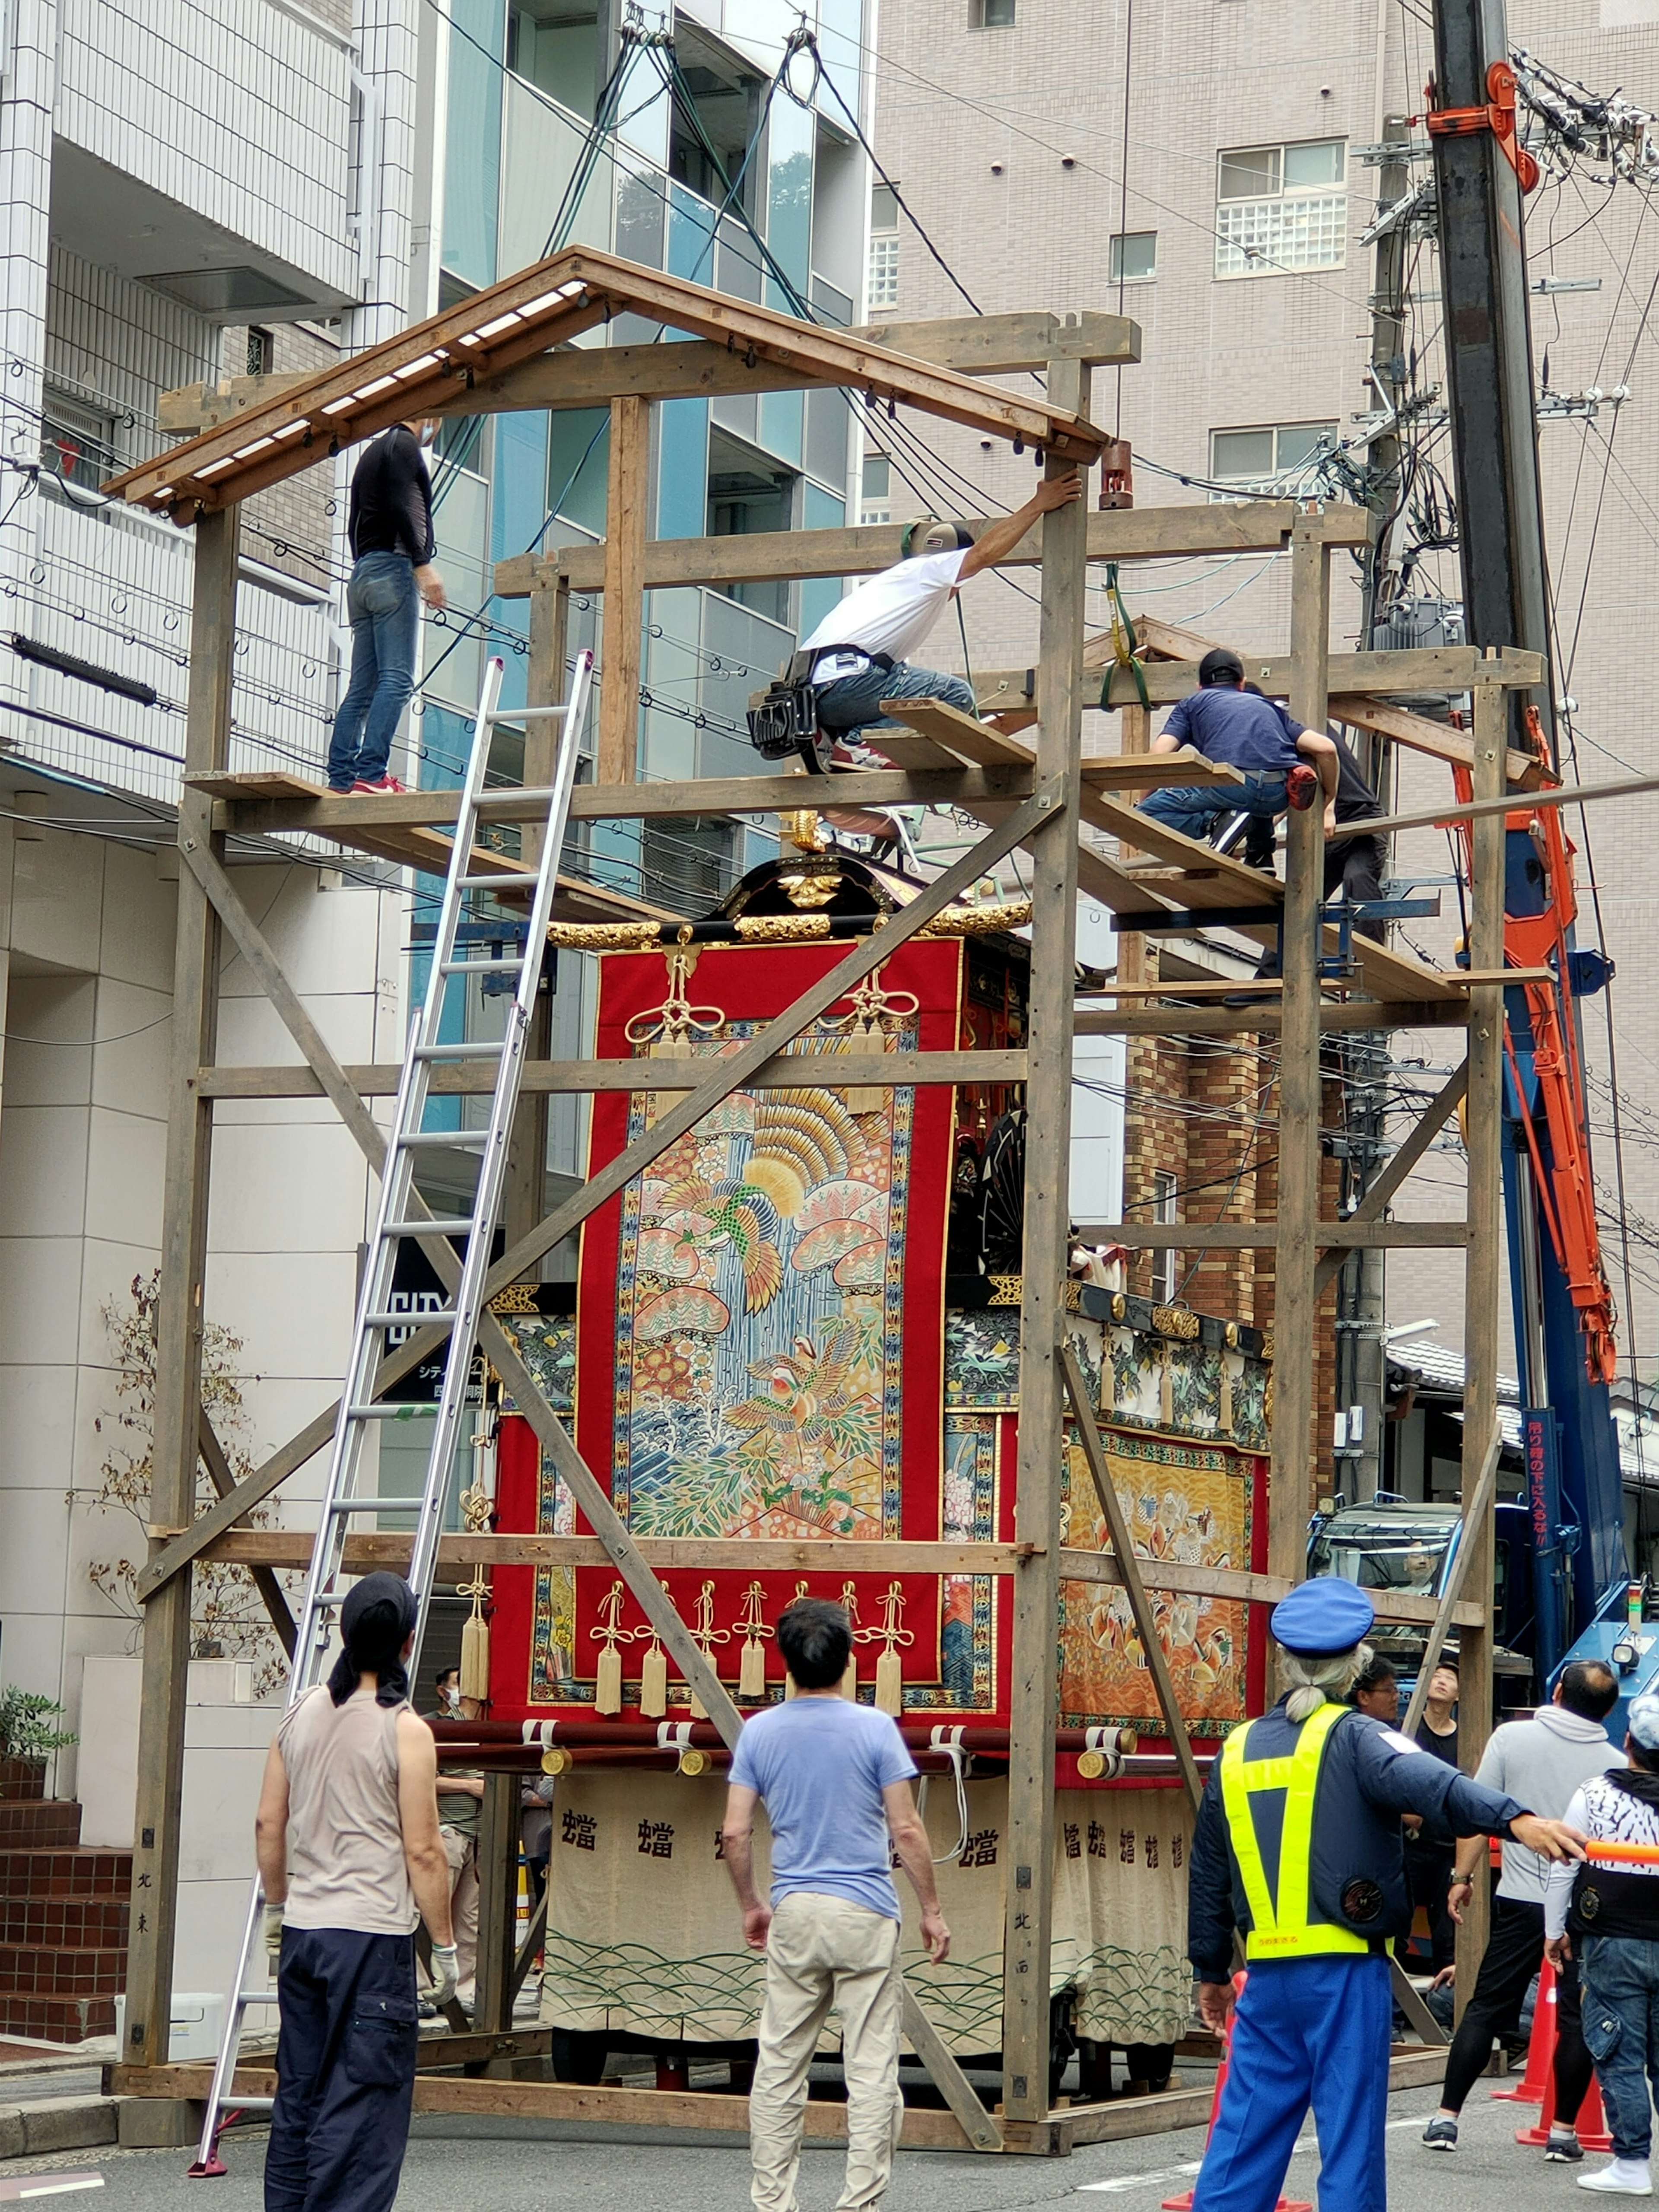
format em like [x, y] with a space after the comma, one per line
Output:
[498, 1899]
[1132, 963]
[1035, 1586]
[624, 589]
[179, 1317]
[1296, 1251]
[1483, 1269]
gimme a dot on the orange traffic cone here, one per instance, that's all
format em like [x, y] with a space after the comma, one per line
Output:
[1538, 2080]
[1591, 2127]
[1184, 2202]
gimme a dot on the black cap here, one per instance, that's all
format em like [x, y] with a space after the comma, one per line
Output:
[1220, 666]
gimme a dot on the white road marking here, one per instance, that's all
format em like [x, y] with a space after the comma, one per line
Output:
[16, 2190]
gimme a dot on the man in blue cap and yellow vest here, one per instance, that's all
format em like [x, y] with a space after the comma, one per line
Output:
[1298, 1848]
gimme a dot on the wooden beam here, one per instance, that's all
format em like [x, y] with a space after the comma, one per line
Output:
[1262, 1235]
[1436, 740]
[1300, 1153]
[727, 1074]
[179, 1317]
[1028, 1894]
[1004, 345]
[1429, 668]
[1432, 1119]
[1476, 810]
[1123, 1550]
[1477, 1505]
[1267, 1021]
[1146, 534]
[626, 515]
[498, 1824]
[264, 1580]
[544, 1078]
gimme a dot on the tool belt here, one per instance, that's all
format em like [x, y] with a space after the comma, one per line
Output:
[787, 716]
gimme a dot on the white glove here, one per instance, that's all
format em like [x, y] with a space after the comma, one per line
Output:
[274, 1934]
[445, 1973]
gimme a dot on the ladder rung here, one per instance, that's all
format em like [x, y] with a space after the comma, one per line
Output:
[409, 1321]
[407, 1412]
[448, 1226]
[260, 1996]
[344, 1505]
[528, 714]
[480, 967]
[235, 2104]
[485, 1049]
[446, 1137]
[517, 881]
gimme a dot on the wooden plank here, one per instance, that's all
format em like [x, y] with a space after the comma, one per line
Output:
[727, 1074]
[627, 508]
[1261, 1235]
[498, 1824]
[1447, 1012]
[177, 1417]
[980, 2127]
[307, 807]
[1294, 1303]
[962, 734]
[1436, 740]
[1127, 2118]
[1117, 1528]
[1003, 345]
[549, 1078]
[1144, 771]
[1142, 533]
[1567, 794]
[1028, 1890]
[271, 1594]
[1438, 668]
[909, 750]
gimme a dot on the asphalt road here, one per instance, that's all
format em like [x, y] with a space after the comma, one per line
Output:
[548, 2166]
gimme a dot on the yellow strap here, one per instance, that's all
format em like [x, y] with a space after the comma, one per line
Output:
[1281, 1926]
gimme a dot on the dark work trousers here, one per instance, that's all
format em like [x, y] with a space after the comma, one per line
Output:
[1428, 1876]
[1354, 867]
[1572, 2059]
[1515, 1952]
[345, 2071]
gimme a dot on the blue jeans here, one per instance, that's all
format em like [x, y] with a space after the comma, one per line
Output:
[1192, 809]
[1307, 2031]
[384, 608]
[854, 703]
[1619, 1977]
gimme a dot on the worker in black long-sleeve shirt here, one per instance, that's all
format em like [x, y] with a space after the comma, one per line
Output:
[392, 549]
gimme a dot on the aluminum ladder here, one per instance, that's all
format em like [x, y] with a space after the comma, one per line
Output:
[403, 1213]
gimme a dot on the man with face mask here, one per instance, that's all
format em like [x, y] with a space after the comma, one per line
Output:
[390, 531]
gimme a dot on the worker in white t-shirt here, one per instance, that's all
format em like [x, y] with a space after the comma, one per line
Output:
[860, 649]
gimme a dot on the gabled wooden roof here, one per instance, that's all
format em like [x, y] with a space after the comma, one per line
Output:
[544, 307]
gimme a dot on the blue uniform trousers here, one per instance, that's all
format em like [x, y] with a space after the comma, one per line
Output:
[1307, 2031]
[345, 2070]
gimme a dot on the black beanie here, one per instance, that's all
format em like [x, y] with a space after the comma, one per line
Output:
[375, 1622]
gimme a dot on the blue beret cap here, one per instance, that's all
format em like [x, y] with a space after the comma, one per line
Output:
[1322, 1616]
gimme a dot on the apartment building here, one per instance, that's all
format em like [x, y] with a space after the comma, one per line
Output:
[1211, 171]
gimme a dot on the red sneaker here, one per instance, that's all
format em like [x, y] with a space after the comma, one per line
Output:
[381, 785]
[1301, 789]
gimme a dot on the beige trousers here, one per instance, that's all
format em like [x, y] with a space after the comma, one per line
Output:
[462, 1853]
[825, 1951]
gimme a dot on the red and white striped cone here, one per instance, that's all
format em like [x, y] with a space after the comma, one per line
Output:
[1184, 2202]
[1538, 2081]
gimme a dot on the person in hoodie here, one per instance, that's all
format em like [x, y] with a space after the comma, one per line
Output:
[1542, 1761]
[1604, 1917]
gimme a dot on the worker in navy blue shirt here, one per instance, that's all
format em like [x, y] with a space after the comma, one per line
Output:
[389, 528]
[834, 1777]
[1298, 1847]
[1225, 722]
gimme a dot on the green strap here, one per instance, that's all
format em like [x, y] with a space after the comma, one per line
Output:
[1124, 647]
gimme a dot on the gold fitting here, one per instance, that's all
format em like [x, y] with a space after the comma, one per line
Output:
[556, 1760]
[695, 1762]
[1091, 1765]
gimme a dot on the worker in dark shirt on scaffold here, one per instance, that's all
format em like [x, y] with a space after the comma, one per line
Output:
[392, 548]
[1298, 1847]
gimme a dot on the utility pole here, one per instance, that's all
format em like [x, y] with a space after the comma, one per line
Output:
[1362, 1374]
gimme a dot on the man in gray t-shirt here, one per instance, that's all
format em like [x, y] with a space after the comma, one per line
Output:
[834, 1779]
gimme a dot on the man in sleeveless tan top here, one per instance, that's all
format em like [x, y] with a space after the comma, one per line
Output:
[350, 1858]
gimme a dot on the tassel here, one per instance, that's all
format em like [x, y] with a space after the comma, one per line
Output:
[608, 1681]
[654, 1684]
[789, 1689]
[698, 1710]
[1165, 1389]
[1224, 1420]
[866, 1036]
[890, 1684]
[475, 1655]
[751, 1670]
[849, 1680]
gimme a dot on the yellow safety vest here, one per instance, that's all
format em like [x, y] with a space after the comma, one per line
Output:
[1282, 1927]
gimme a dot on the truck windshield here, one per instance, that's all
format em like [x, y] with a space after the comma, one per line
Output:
[1397, 1558]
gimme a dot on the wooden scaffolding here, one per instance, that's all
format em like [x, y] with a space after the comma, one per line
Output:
[510, 348]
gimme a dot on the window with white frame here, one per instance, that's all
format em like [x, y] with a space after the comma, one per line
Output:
[1274, 460]
[875, 490]
[1165, 1187]
[991, 14]
[1281, 208]
[882, 285]
[77, 442]
[1134, 257]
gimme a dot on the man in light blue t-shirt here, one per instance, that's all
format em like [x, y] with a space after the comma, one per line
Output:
[834, 1779]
